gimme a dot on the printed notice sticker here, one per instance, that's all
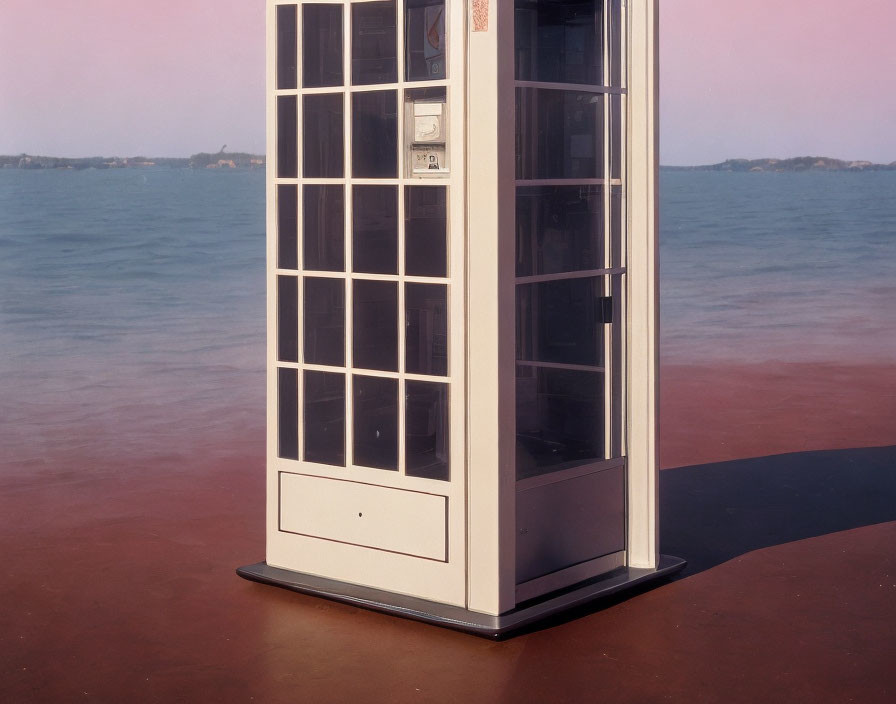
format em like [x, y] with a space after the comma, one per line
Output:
[428, 159]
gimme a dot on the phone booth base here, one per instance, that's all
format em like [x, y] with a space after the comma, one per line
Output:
[485, 625]
[462, 306]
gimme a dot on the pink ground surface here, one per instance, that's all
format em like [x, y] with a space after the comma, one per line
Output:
[117, 581]
[718, 413]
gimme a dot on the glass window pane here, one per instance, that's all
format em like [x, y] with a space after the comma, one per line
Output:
[375, 134]
[321, 45]
[287, 137]
[425, 40]
[560, 322]
[287, 227]
[324, 414]
[559, 134]
[375, 229]
[426, 329]
[324, 321]
[426, 430]
[425, 231]
[288, 414]
[375, 325]
[323, 147]
[559, 228]
[287, 319]
[559, 41]
[559, 419]
[615, 31]
[286, 47]
[616, 122]
[374, 52]
[323, 227]
[376, 422]
[617, 234]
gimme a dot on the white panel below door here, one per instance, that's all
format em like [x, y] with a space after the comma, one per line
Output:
[381, 518]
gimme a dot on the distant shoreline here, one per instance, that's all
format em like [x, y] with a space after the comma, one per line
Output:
[202, 160]
[243, 160]
[797, 164]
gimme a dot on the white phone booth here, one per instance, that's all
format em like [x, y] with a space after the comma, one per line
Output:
[462, 305]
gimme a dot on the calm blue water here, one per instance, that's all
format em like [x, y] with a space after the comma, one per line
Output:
[135, 299]
[764, 266]
[130, 299]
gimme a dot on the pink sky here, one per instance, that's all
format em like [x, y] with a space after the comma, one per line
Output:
[778, 78]
[171, 77]
[128, 77]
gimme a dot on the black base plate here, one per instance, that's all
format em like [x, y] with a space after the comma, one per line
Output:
[455, 617]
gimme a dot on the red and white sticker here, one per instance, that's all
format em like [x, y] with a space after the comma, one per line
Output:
[480, 15]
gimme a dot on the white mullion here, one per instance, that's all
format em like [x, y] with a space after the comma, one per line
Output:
[300, 32]
[319, 274]
[347, 242]
[568, 275]
[606, 190]
[321, 181]
[400, 146]
[300, 160]
[574, 87]
[561, 182]
[376, 181]
[622, 242]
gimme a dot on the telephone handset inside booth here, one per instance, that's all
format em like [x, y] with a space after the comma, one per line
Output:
[426, 132]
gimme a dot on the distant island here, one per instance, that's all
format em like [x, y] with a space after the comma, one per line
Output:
[800, 163]
[203, 160]
[242, 160]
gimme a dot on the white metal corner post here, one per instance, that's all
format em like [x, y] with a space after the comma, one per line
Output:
[643, 284]
[416, 490]
[491, 335]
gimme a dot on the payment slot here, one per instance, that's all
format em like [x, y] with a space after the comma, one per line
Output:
[426, 132]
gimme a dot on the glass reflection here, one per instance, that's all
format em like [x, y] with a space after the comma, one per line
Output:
[375, 325]
[323, 146]
[324, 414]
[375, 229]
[559, 419]
[559, 41]
[321, 45]
[426, 329]
[287, 319]
[288, 413]
[425, 231]
[617, 234]
[323, 227]
[374, 52]
[559, 134]
[287, 137]
[558, 229]
[560, 322]
[616, 118]
[324, 321]
[426, 433]
[376, 422]
[286, 47]
[287, 227]
[616, 32]
[425, 40]
[375, 134]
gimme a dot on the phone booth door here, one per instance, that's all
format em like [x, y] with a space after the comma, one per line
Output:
[366, 474]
